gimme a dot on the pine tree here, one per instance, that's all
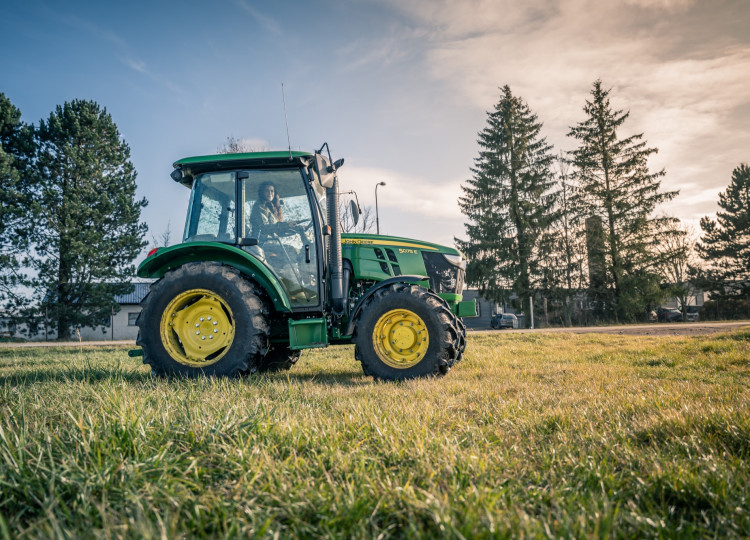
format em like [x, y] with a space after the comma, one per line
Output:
[507, 201]
[16, 151]
[617, 188]
[89, 232]
[725, 244]
[562, 248]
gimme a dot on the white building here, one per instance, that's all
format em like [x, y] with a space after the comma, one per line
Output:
[120, 326]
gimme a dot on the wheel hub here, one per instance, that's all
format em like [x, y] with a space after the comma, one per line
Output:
[400, 338]
[197, 328]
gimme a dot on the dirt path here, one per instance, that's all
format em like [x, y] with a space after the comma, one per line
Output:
[27, 344]
[653, 329]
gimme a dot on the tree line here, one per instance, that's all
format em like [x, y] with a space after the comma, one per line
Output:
[580, 230]
[69, 218]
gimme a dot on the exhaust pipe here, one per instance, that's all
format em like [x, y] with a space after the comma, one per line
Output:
[334, 250]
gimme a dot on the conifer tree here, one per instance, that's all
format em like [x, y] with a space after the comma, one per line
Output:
[725, 244]
[16, 151]
[507, 201]
[90, 231]
[562, 248]
[616, 187]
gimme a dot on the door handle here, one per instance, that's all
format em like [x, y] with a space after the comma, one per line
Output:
[307, 253]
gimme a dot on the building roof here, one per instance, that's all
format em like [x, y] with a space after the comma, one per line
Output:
[140, 290]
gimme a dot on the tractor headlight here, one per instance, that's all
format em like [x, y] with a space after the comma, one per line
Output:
[456, 260]
[446, 272]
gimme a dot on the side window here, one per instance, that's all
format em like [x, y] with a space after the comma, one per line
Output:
[212, 208]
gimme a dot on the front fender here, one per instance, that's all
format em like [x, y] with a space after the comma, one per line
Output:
[422, 280]
[165, 259]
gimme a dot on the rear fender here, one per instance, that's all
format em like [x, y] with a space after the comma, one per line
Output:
[165, 259]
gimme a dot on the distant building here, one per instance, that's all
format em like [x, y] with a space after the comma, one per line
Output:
[120, 326]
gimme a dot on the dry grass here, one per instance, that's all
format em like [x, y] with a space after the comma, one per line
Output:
[531, 435]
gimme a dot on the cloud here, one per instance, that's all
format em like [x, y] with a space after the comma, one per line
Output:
[137, 65]
[408, 205]
[661, 4]
[267, 23]
[683, 81]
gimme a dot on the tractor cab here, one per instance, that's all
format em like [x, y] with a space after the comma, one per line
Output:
[266, 206]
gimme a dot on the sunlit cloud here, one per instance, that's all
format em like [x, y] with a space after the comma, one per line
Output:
[550, 52]
[408, 205]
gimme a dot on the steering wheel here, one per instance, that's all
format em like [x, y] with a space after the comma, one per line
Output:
[304, 224]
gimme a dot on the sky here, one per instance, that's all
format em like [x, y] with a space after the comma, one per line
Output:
[400, 89]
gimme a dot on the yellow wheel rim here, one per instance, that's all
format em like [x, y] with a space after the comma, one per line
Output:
[197, 328]
[401, 338]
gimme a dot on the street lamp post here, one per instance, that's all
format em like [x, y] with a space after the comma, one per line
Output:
[377, 217]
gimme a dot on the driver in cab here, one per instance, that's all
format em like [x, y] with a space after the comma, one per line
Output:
[267, 210]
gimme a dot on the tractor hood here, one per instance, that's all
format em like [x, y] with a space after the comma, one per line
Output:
[404, 244]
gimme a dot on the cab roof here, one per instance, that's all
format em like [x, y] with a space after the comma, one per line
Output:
[251, 158]
[191, 166]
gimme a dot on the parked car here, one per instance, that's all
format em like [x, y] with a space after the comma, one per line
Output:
[692, 314]
[668, 314]
[504, 320]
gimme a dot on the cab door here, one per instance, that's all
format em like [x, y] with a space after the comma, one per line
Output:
[282, 221]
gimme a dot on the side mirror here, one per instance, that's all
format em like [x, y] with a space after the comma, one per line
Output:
[323, 170]
[355, 211]
[176, 175]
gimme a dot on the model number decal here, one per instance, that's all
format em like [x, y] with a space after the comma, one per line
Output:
[403, 250]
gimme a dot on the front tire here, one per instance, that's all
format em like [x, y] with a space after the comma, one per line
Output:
[203, 319]
[405, 331]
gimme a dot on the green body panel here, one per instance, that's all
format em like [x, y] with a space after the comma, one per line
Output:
[369, 265]
[168, 258]
[467, 308]
[307, 334]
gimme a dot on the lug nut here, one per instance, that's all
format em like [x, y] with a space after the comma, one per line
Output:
[215, 323]
[202, 318]
[203, 337]
[197, 325]
[209, 318]
[197, 332]
[215, 330]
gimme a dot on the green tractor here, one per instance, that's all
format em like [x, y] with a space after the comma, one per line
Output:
[264, 272]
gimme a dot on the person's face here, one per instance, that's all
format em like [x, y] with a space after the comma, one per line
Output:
[268, 193]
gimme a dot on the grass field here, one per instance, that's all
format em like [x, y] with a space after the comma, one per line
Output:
[531, 435]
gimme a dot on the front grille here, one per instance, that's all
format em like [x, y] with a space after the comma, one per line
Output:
[444, 276]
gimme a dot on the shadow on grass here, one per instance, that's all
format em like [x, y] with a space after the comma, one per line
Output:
[97, 375]
[88, 374]
[327, 378]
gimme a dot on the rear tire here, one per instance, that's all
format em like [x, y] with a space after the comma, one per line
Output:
[279, 358]
[405, 331]
[203, 318]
